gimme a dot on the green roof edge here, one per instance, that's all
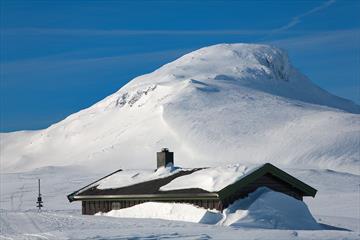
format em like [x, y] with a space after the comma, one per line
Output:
[267, 168]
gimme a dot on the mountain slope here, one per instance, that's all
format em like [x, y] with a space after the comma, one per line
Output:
[220, 104]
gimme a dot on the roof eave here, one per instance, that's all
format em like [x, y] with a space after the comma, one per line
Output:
[71, 196]
[307, 189]
[145, 197]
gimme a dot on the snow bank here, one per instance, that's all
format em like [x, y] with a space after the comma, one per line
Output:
[131, 177]
[210, 179]
[262, 209]
[268, 209]
[55, 225]
[168, 211]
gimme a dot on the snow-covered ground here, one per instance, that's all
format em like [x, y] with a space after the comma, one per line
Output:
[58, 226]
[336, 206]
[224, 104]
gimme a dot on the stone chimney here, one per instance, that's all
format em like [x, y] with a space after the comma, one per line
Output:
[164, 158]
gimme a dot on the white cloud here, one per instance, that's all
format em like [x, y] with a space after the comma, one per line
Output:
[297, 19]
[336, 39]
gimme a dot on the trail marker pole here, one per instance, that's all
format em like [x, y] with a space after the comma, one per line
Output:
[39, 199]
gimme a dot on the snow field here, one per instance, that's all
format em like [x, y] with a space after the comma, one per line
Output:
[335, 205]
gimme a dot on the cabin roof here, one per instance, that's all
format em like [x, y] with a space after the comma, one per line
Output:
[153, 185]
[268, 169]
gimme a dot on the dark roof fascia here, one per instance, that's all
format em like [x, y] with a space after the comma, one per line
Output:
[70, 197]
[267, 168]
[183, 196]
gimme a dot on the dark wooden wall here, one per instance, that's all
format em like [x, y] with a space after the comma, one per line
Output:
[95, 206]
[269, 181]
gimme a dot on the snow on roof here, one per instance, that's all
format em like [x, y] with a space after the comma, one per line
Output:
[131, 177]
[210, 179]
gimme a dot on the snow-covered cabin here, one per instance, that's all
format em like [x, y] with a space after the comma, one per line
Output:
[213, 188]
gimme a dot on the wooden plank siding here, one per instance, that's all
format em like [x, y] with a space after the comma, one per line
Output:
[95, 206]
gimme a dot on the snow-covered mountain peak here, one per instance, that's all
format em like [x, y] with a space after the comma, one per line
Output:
[227, 103]
[224, 67]
[221, 62]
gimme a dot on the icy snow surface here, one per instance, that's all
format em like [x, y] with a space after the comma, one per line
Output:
[210, 179]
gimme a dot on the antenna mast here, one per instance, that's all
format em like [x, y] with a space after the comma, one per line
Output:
[39, 199]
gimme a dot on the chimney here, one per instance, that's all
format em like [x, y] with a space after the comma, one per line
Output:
[164, 158]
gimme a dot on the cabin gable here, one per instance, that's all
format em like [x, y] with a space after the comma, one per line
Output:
[265, 176]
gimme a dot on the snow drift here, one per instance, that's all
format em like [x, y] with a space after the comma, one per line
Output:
[226, 103]
[262, 209]
[268, 209]
[168, 211]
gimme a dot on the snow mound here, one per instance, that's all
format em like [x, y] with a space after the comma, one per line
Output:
[262, 209]
[131, 177]
[221, 104]
[210, 179]
[268, 209]
[167, 211]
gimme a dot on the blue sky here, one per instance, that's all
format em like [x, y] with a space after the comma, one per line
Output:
[58, 57]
